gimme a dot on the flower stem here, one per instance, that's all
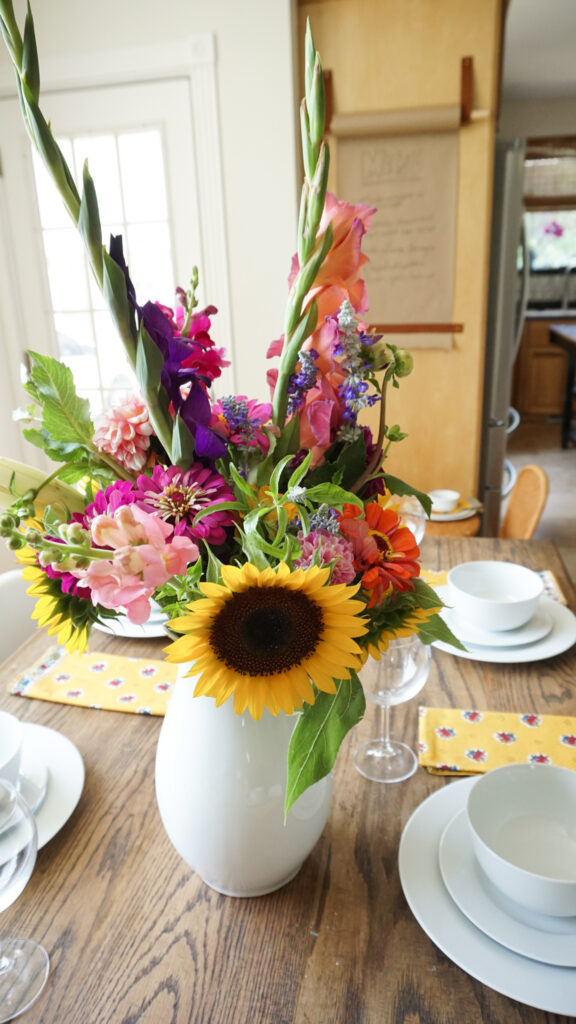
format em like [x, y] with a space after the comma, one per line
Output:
[299, 321]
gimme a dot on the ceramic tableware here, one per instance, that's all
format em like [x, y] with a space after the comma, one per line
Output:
[522, 820]
[494, 595]
[10, 747]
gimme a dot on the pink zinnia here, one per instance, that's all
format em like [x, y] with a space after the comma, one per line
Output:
[333, 548]
[177, 497]
[124, 433]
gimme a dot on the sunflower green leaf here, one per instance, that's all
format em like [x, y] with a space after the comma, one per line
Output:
[318, 735]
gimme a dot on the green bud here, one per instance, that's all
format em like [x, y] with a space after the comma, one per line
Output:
[380, 354]
[16, 542]
[404, 363]
[8, 521]
[33, 538]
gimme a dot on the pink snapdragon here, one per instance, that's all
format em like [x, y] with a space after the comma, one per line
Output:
[146, 555]
[124, 432]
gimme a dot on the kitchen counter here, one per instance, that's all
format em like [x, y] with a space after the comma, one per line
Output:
[551, 314]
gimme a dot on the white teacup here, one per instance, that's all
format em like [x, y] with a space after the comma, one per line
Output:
[444, 500]
[10, 747]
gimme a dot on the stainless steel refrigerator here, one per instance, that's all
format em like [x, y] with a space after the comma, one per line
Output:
[507, 300]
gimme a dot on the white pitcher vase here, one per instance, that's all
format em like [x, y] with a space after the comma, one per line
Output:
[220, 787]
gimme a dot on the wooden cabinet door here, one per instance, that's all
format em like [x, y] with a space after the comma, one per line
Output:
[540, 374]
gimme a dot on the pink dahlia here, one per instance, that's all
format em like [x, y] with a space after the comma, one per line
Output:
[333, 548]
[177, 497]
[124, 433]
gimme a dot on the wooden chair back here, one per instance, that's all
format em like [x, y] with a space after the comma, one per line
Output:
[525, 504]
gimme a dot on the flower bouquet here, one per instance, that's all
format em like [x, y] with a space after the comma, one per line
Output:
[263, 529]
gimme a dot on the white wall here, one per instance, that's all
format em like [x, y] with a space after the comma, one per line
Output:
[525, 118]
[258, 131]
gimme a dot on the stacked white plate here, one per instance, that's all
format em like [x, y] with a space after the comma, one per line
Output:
[51, 778]
[550, 631]
[523, 955]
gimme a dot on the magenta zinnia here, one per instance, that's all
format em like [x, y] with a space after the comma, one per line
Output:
[178, 496]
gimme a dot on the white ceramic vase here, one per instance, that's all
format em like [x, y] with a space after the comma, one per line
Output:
[220, 786]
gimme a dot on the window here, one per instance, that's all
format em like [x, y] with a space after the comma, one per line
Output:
[550, 199]
[148, 124]
[131, 204]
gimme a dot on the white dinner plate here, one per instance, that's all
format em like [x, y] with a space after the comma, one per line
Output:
[535, 629]
[550, 940]
[65, 777]
[560, 638]
[123, 627]
[542, 986]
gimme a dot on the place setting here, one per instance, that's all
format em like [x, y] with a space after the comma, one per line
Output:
[501, 613]
[46, 769]
[449, 506]
[488, 868]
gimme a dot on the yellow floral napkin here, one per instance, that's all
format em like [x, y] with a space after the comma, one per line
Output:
[459, 742]
[108, 681]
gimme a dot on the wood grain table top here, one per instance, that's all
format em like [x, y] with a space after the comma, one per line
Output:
[135, 937]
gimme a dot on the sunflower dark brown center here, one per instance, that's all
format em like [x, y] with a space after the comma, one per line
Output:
[266, 630]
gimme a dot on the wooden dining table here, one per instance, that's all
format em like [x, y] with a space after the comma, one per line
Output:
[135, 937]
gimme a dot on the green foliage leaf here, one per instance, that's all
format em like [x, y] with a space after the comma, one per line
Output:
[399, 487]
[89, 223]
[183, 448]
[331, 494]
[319, 733]
[114, 291]
[67, 427]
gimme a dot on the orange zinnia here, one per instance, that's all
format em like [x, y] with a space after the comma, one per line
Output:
[385, 552]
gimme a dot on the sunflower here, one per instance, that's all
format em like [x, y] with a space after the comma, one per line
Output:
[262, 635]
[67, 616]
[410, 624]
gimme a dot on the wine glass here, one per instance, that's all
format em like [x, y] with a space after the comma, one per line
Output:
[413, 516]
[23, 963]
[398, 676]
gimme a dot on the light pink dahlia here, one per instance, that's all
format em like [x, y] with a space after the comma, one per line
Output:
[333, 548]
[124, 433]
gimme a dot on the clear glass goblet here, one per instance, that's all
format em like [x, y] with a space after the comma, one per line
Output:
[24, 964]
[398, 676]
[413, 516]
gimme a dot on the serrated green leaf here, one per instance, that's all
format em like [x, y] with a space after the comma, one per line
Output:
[331, 494]
[65, 416]
[319, 733]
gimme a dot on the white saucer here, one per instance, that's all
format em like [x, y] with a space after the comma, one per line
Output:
[454, 517]
[66, 777]
[536, 629]
[560, 638]
[542, 986]
[550, 940]
[33, 778]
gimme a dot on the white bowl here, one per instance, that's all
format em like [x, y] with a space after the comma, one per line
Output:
[494, 595]
[444, 501]
[522, 820]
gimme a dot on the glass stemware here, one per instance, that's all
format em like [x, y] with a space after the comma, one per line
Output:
[24, 964]
[398, 676]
